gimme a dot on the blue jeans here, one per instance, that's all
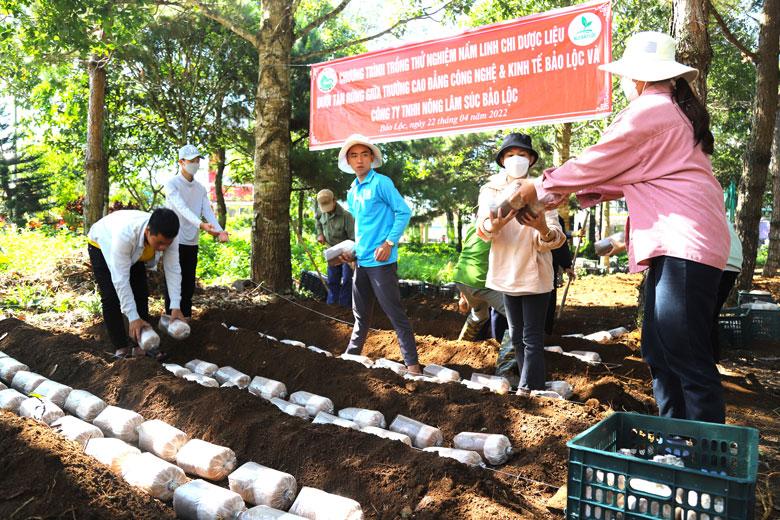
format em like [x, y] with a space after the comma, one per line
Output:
[680, 300]
[526, 316]
[340, 285]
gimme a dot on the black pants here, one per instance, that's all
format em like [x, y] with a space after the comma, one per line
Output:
[109, 300]
[188, 259]
[676, 339]
[549, 319]
[727, 281]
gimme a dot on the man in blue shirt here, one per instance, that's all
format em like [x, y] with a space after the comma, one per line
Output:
[381, 215]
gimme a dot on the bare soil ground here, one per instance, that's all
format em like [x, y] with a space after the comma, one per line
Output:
[388, 479]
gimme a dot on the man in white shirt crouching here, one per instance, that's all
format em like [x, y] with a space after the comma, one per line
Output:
[122, 245]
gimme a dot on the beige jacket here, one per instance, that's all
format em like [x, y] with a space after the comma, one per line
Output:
[520, 261]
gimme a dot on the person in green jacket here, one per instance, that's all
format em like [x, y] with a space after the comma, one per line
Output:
[470, 273]
[334, 225]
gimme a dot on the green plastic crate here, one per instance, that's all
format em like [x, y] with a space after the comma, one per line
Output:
[734, 325]
[764, 324]
[606, 485]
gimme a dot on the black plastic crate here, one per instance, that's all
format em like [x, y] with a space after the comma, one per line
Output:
[734, 325]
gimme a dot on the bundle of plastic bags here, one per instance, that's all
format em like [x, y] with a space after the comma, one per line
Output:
[9, 367]
[55, 392]
[363, 417]
[120, 423]
[267, 388]
[229, 376]
[84, 405]
[326, 418]
[316, 504]
[290, 408]
[468, 457]
[443, 374]
[202, 380]
[207, 460]
[313, 403]
[177, 370]
[161, 439]
[40, 409]
[201, 367]
[152, 475]
[386, 434]
[260, 485]
[495, 448]
[76, 430]
[422, 435]
[201, 500]
[26, 381]
[11, 399]
[111, 452]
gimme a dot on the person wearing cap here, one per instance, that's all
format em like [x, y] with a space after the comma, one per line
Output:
[656, 154]
[122, 245]
[189, 200]
[381, 215]
[520, 263]
[334, 225]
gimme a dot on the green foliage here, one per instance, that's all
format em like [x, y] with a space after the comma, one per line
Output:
[221, 264]
[434, 263]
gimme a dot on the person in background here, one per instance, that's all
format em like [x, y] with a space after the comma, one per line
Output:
[520, 264]
[122, 245]
[561, 259]
[656, 154]
[727, 281]
[189, 200]
[381, 215]
[334, 225]
[470, 273]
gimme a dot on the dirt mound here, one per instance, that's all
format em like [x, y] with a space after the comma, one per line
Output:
[617, 394]
[385, 477]
[46, 475]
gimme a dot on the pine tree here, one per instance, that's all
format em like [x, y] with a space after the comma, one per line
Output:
[25, 190]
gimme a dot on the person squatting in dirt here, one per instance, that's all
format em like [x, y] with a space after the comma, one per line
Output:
[656, 155]
[334, 225]
[381, 215]
[520, 262]
[122, 245]
[189, 200]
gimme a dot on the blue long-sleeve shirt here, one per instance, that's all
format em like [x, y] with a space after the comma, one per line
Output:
[380, 214]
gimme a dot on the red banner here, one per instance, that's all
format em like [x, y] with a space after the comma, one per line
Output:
[539, 69]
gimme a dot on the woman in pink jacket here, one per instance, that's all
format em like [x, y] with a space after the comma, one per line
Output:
[520, 262]
[656, 155]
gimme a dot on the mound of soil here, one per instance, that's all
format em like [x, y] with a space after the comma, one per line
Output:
[46, 476]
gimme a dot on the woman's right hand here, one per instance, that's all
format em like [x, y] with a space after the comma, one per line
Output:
[498, 221]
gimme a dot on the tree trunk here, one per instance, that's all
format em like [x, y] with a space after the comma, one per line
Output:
[219, 176]
[450, 226]
[96, 175]
[689, 28]
[752, 185]
[459, 245]
[773, 256]
[561, 155]
[272, 183]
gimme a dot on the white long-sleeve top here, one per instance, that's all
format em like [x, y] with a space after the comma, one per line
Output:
[190, 202]
[120, 236]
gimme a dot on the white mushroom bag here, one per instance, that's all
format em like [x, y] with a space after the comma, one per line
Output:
[10, 400]
[202, 367]
[120, 423]
[267, 388]
[290, 408]
[229, 376]
[268, 513]
[152, 475]
[9, 367]
[40, 409]
[363, 417]
[206, 460]
[260, 485]
[76, 430]
[316, 504]
[313, 403]
[201, 500]
[111, 452]
[84, 405]
[55, 392]
[161, 439]
[26, 381]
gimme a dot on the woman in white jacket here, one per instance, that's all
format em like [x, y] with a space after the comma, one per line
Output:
[520, 259]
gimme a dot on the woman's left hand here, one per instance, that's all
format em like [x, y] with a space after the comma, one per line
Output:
[525, 195]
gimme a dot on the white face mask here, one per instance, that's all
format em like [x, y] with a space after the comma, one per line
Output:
[191, 167]
[516, 166]
[628, 87]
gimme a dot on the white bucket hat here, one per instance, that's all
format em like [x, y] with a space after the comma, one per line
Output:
[351, 141]
[649, 56]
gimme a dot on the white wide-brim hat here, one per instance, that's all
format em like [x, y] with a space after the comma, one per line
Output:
[649, 56]
[351, 141]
